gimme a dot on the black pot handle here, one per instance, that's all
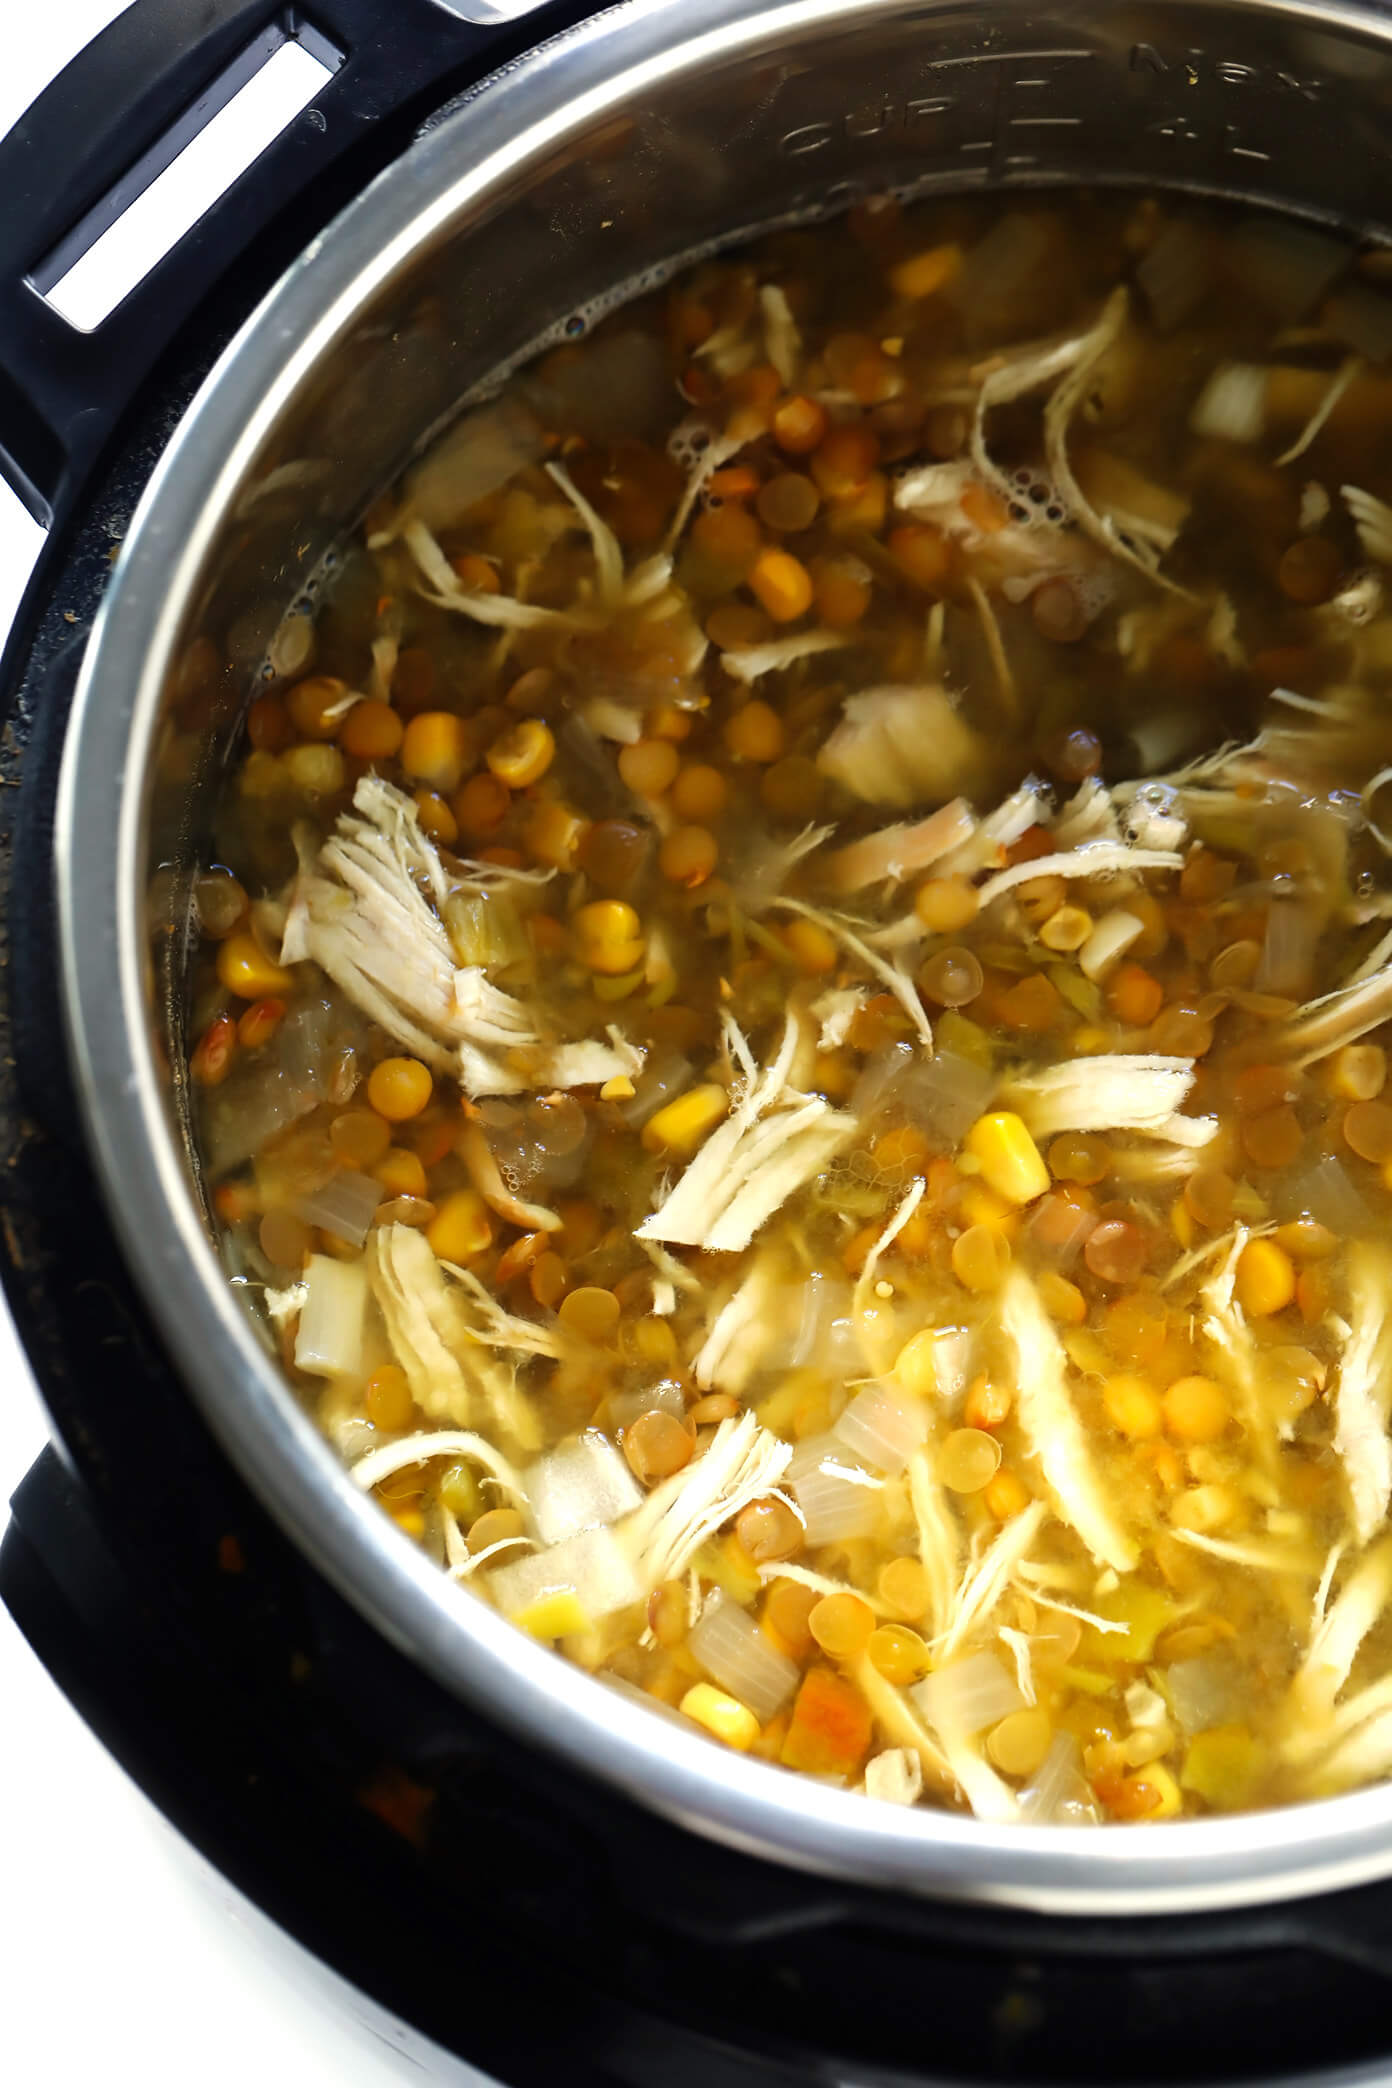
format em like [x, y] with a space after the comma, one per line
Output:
[110, 122]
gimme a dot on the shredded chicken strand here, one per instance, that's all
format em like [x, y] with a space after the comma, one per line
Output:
[1052, 1428]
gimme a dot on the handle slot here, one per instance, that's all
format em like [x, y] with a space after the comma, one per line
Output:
[183, 174]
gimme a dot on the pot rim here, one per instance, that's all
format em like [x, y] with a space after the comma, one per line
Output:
[506, 125]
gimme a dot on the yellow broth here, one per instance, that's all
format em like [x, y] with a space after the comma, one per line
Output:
[755, 1017]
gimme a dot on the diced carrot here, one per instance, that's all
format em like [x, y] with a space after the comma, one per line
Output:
[1135, 996]
[733, 482]
[1035, 841]
[830, 1731]
[1033, 1003]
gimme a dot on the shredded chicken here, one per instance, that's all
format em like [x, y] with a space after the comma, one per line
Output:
[782, 339]
[1092, 859]
[897, 852]
[424, 1321]
[1052, 1428]
[1090, 815]
[283, 1307]
[901, 746]
[1235, 1358]
[982, 1586]
[1116, 1091]
[503, 612]
[891, 975]
[742, 1330]
[835, 1010]
[741, 1464]
[411, 1450]
[1372, 518]
[1363, 1392]
[1323, 1026]
[367, 912]
[772, 1143]
[1129, 543]
[899, 1723]
[749, 663]
[879, 1355]
[939, 1538]
[450, 1338]
[1334, 1647]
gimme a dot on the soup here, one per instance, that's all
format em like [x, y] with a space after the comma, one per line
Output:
[788, 1027]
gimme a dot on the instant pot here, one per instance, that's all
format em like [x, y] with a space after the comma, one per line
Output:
[528, 1868]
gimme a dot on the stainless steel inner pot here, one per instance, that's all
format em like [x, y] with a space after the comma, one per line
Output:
[655, 129]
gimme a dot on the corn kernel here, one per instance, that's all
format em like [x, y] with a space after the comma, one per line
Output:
[782, 585]
[1006, 1495]
[1010, 1160]
[522, 757]
[461, 1227]
[755, 732]
[1062, 1300]
[724, 1716]
[1132, 1406]
[977, 1204]
[1265, 1278]
[370, 732]
[680, 1126]
[434, 749]
[980, 1258]
[1066, 929]
[1358, 1073]
[554, 1616]
[610, 937]
[244, 969]
[1196, 1410]
[1222, 1765]
[401, 1172]
[916, 1366]
[1153, 1793]
[923, 273]
[810, 946]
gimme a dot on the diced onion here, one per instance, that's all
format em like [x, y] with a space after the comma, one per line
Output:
[667, 1074]
[1175, 273]
[736, 1654]
[1361, 318]
[1058, 1794]
[1059, 1230]
[1201, 1691]
[825, 1330]
[1232, 405]
[592, 1564]
[1326, 1193]
[329, 1342]
[345, 1206]
[947, 1094]
[835, 1499]
[1284, 266]
[966, 1695]
[580, 1486]
[1108, 943]
[664, 1398]
[1292, 933]
[882, 1430]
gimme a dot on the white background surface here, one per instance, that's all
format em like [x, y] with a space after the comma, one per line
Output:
[122, 1956]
